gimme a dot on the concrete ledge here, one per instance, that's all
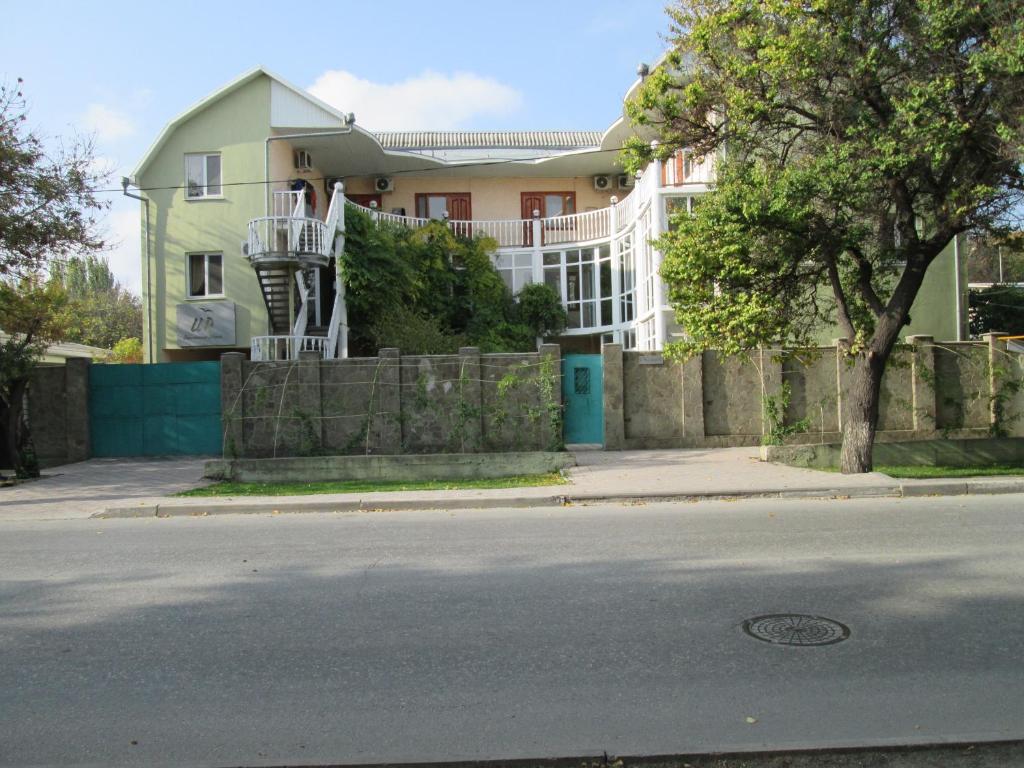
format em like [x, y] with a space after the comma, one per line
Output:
[400, 468]
[950, 453]
[934, 488]
[427, 500]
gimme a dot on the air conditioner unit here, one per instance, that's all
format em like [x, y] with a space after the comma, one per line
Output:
[602, 182]
[383, 184]
[625, 181]
[329, 183]
[303, 160]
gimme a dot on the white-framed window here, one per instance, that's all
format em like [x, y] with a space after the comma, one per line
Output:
[516, 269]
[205, 275]
[203, 176]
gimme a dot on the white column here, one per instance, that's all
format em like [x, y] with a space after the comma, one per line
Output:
[657, 227]
[339, 284]
[538, 256]
[616, 263]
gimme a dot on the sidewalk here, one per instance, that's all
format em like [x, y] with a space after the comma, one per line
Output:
[142, 487]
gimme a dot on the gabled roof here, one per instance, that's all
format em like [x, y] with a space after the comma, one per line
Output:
[395, 143]
[488, 139]
[220, 93]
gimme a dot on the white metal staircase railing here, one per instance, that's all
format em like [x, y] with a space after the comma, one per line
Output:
[263, 348]
[302, 307]
[337, 329]
[279, 247]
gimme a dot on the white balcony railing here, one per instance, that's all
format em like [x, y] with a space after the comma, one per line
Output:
[265, 348]
[288, 237]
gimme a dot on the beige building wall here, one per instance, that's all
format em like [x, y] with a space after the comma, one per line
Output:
[282, 171]
[489, 198]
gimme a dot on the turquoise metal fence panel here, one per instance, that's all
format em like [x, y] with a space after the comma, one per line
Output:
[155, 410]
[582, 393]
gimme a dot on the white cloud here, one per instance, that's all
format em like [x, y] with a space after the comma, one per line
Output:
[124, 243]
[429, 101]
[108, 124]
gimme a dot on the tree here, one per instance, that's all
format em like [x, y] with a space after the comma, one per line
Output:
[853, 140]
[127, 351]
[48, 208]
[31, 316]
[997, 308]
[48, 203]
[100, 311]
[430, 291]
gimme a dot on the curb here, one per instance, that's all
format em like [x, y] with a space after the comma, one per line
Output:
[206, 507]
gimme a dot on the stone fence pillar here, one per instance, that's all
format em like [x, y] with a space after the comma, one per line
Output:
[552, 355]
[922, 382]
[232, 405]
[692, 372]
[613, 397]
[311, 437]
[76, 407]
[1006, 387]
[769, 364]
[471, 406]
[386, 404]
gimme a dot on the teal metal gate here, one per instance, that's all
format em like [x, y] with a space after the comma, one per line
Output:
[155, 410]
[582, 394]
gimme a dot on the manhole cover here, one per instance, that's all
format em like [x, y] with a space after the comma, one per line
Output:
[796, 629]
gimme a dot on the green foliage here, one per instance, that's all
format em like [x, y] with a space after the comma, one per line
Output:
[853, 140]
[861, 137]
[774, 409]
[413, 333]
[31, 315]
[429, 291]
[996, 308]
[540, 309]
[127, 351]
[48, 206]
[100, 311]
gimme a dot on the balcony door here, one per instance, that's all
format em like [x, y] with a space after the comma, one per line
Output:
[548, 204]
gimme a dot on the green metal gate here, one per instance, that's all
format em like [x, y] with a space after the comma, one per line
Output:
[155, 410]
[583, 397]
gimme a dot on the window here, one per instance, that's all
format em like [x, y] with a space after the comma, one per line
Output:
[516, 269]
[202, 176]
[433, 205]
[548, 203]
[205, 275]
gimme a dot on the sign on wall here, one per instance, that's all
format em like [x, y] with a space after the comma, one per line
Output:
[206, 325]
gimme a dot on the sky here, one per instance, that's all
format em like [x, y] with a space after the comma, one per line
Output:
[119, 71]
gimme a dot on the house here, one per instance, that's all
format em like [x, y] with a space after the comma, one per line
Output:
[62, 351]
[244, 194]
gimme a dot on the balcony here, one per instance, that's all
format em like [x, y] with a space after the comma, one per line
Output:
[277, 241]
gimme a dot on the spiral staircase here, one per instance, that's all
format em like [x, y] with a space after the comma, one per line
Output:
[286, 250]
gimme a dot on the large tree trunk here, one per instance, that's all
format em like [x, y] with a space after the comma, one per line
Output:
[860, 411]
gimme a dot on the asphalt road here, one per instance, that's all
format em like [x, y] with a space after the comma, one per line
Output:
[359, 638]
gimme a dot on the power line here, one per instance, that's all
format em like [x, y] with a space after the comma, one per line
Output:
[476, 164]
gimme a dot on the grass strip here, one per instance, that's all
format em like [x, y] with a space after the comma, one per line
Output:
[372, 486]
[930, 472]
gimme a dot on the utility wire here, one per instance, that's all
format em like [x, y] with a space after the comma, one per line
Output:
[475, 164]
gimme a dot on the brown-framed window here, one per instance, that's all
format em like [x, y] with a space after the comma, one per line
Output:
[549, 204]
[433, 205]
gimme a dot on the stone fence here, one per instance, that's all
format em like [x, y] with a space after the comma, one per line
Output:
[58, 412]
[392, 404]
[930, 390]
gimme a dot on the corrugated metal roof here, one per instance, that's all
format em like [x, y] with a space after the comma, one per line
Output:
[488, 139]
